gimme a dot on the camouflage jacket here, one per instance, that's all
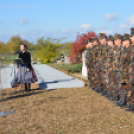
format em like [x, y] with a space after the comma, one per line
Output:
[116, 57]
[110, 58]
[90, 58]
[97, 52]
[125, 58]
[104, 50]
[131, 66]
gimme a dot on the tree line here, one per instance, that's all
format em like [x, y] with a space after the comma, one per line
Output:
[46, 49]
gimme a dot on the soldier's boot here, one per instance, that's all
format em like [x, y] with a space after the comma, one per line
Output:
[110, 98]
[99, 90]
[121, 102]
[130, 108]
[104, 93]
[115, 98]
[109, 95]
[130, 103]
[93, 89]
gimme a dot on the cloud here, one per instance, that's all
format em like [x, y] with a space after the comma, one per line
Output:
[107, 32]
[122, 27]
[130, 20]
[24, 21]
[86, 27]
[111, 17]
[69, 34]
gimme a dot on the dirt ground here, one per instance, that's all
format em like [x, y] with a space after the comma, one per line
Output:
[60, 111]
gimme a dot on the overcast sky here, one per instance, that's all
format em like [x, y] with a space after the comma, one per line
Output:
[32, 19]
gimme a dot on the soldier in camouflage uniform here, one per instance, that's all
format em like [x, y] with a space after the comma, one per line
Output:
[104, 64]
[116, 66]
[97, 52]
[130, 93]
[124, 66]
[110, 42]
[90, 62]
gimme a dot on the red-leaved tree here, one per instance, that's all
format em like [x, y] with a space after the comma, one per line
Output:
[78, 47]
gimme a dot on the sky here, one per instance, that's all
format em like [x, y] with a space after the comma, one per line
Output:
[63, 19]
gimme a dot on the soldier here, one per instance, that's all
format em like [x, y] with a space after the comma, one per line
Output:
[104, 72]
[124, 62]
[116, 66]
[130, 93]
[110, 59]
[90, 61]
[97, 52]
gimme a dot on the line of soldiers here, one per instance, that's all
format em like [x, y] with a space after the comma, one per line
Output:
[110, 64]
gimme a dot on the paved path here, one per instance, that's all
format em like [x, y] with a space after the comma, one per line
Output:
[48, 78]
[53, 79]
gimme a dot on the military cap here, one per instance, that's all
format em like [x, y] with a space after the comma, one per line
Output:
[110, 38]
[89, 40]
[126, 36]
[118, 36]
[132, 31]
[94, 38]
[102, 35]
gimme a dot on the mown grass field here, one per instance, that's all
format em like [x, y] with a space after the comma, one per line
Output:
[70, 68]
[63, 111]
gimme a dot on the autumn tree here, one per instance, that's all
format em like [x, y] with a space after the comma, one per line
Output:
[2, 48]
[14, 44]
[46, 50]
[78, 47]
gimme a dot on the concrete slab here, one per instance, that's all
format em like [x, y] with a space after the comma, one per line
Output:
[50, 78]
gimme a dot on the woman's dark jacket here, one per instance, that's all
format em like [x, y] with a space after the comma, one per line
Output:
[26, 57]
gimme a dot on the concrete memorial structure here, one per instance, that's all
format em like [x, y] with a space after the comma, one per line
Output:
[84, 68]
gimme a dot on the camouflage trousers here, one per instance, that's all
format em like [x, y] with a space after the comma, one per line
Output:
[123, 86]
[91, 77]
[110, 82]
[97, 68]
[94, 78]
[104, 79]
[130, 86]
[97, 79]
[116, 82]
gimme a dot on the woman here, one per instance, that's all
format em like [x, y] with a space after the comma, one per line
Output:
[26, 74]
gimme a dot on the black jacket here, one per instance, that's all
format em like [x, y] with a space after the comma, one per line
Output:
[26, 57]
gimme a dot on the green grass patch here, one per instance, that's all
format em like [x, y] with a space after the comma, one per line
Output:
[73, 68]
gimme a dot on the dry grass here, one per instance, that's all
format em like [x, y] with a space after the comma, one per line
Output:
[71, 111]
